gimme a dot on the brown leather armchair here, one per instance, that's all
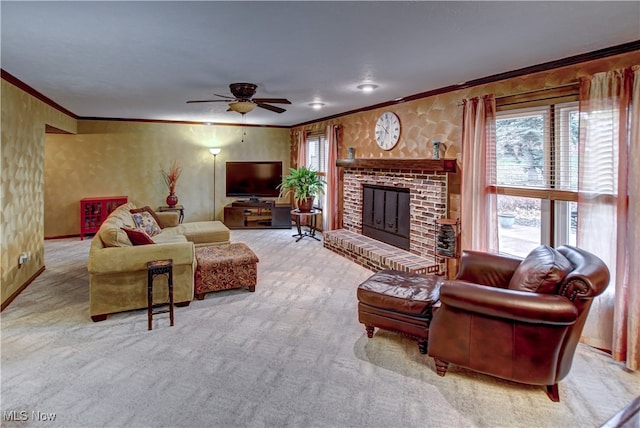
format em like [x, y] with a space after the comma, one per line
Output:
[487, 323]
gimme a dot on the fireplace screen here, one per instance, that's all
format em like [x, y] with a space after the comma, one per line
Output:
[386, 215]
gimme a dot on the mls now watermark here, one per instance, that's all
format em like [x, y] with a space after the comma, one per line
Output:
[24, 416]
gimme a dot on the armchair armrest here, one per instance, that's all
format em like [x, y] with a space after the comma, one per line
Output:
[135, 258]
[589, 278]
[491, 269]
[521, 306]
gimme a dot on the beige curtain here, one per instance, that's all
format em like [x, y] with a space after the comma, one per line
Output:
[330, 212]
[609, 206]
[302, 148]
[479, 229]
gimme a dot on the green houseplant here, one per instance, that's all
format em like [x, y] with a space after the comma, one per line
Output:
[305, 184]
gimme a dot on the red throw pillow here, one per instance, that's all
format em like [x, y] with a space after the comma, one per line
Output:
[148, 209]
[137, 236]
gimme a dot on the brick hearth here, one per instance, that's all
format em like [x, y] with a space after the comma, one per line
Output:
[376, 255]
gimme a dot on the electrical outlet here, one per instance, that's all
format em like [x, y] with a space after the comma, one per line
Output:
[24, 257]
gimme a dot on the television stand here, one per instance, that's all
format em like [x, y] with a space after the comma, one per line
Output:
[257, 203]
[257, 215]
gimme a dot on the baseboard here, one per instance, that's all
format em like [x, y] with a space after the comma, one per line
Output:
[62, 236]
[22, 287]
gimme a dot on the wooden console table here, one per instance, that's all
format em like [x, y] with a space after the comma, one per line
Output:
[257, 215]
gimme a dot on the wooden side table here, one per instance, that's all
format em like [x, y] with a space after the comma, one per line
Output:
[178, 208]
[313, 214]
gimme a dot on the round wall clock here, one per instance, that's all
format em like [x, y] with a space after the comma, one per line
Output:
[387, 130]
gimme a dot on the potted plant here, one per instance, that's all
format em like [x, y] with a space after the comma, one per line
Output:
[171, 178]
[507, 207]
[506, 220]
[305, 184]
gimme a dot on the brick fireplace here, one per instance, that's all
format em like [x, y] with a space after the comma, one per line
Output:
[425, 180]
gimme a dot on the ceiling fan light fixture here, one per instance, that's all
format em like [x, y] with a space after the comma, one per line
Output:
[316, 105]
[367, 87]
[242, 107]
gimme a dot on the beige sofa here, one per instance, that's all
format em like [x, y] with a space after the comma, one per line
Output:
[118, 269]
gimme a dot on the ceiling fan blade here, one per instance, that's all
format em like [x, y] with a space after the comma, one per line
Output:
[272, 108]
[272, 100]
[207, 101]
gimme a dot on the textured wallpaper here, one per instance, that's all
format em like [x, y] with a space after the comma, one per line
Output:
[439, 118]
[22, 183]
[110, 158]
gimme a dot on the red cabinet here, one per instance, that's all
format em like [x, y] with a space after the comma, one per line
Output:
[93, 211]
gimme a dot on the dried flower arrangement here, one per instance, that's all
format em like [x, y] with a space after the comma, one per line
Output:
[171, 176]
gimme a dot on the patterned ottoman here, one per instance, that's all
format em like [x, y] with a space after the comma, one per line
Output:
[222, 267]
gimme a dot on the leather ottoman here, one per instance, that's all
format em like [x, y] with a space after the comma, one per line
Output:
[222, 267]
[399, 301]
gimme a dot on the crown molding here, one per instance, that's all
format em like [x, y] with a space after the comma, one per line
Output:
[29, 90]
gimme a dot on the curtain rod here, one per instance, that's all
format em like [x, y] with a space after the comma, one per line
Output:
[318, 131]
[532, 91]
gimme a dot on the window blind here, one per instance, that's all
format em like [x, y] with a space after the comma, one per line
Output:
[316, 152]
[537, 148]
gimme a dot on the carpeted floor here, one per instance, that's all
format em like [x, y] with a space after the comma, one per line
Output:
[290, 354]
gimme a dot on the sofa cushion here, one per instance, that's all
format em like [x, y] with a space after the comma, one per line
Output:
[149, 210]
[169, 235]
[110, 232]
[202, 232]
[145, 221]
[541, 271]
[168, 219]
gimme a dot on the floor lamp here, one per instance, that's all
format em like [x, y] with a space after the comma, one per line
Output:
[214, 151]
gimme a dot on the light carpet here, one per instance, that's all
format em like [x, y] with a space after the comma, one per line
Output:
[292, 354]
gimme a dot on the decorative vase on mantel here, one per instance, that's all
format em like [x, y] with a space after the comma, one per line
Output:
[172, 199]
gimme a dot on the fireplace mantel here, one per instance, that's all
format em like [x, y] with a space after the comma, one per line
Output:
[439, 165]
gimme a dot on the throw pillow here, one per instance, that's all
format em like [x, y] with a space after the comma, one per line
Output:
[137, 236]
[148, 209]
[541, 271]
[146, 222]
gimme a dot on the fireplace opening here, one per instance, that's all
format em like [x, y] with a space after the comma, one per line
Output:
[386, 214]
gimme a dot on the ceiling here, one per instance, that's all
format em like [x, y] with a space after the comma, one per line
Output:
[144, 60]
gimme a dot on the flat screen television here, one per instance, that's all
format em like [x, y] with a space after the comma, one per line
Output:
[257, 179]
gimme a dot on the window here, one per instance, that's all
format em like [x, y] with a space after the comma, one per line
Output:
[317, 152]
[536, 164]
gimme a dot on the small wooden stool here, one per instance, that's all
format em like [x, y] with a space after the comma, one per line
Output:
[155, 268]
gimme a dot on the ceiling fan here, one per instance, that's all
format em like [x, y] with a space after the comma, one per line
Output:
[243, 101]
